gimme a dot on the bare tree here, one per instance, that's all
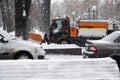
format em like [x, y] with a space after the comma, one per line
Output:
[58, 9]
[22, 8]
[45, 16]
[40, 15]
[7, 17]
[117, 9]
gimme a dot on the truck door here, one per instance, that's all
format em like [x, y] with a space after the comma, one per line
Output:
[59, 32]
[62, 30]
[4, 47]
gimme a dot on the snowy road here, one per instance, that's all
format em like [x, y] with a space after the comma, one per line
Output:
[59, 67]
[63, 57]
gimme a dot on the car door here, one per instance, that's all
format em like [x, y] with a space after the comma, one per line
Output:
[106, 49]
[117, 43]
[4, 47]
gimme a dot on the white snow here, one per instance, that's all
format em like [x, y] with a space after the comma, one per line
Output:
[60, 67]
[57, 67]
[53, 1]
[59, 46]
[24, 13]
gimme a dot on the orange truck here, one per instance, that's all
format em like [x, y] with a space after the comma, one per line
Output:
[62, 32]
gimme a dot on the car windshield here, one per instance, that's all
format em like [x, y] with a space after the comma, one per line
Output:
[7, 35]
[111, 37]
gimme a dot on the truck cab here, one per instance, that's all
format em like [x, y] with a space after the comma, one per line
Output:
[61, 32]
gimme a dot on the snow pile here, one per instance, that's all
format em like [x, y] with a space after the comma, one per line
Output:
[59, 46]
[12, 33]
[55, 69]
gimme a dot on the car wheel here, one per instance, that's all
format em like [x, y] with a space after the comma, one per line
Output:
[117, 59]
[41, 57]
[23, 55]
[85, 57]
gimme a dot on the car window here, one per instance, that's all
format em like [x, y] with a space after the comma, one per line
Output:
[117, 40]
[1, 37]
[111, 37]
[7, 35]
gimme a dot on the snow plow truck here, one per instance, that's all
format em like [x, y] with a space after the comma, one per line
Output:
[61, 32]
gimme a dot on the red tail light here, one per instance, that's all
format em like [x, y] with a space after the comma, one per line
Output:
[90, 47]
[93, 49]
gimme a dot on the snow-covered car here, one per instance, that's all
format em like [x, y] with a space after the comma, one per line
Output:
[15, 48]
[105, 47]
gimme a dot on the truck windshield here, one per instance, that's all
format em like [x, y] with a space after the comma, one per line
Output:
[61, 23]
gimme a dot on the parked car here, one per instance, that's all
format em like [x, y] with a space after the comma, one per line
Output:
[105, 47]
[15, 48]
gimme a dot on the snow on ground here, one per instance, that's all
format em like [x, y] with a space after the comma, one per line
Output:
[59, 46]
[59, 67]
[63, 57]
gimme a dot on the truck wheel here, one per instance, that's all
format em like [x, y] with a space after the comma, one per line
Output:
[64, 42]
[23, 55]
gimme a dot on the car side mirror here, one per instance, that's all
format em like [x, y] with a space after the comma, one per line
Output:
[4, 40]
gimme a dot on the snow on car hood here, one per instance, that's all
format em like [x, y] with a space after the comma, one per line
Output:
[24, 43]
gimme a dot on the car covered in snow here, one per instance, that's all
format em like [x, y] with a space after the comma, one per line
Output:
[105, 47]
[15, 48]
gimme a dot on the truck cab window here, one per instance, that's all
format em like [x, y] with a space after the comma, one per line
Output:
[59, 24]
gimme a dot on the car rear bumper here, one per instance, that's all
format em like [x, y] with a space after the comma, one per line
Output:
[88, 54]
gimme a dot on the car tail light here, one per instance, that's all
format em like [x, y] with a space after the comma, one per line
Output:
[93, 48]
[90, 47]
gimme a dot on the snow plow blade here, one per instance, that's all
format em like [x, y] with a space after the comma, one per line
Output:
[73, 69]
[35, 37]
